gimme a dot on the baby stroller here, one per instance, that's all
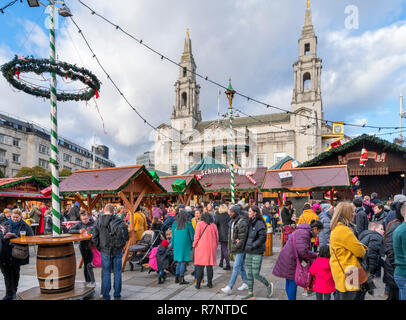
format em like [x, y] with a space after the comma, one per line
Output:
[142, 248]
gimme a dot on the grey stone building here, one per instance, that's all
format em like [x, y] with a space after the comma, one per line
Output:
[24, 144]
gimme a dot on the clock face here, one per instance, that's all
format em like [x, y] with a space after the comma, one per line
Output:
[337, 129]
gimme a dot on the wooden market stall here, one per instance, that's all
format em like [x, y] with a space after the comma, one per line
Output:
[247, 181]
[383, 171]
[310, 179]
[22, 189]
[131, 184]
[192, 187]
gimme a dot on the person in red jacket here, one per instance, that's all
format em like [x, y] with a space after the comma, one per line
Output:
[324, 284]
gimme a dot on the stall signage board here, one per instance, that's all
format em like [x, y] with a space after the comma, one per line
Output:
[28, 187]
[377, 157]
[286, 178]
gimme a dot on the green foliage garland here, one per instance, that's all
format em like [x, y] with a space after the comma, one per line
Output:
[28, 64]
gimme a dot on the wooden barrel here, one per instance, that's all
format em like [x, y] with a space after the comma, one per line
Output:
[268, 244]
[56, 268]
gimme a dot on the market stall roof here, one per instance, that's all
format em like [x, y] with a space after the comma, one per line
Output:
[192, 184]
[358, 141]
[286, 163]
[219, 181]
[206, 163]
[22, 187]
[308, 179]
[110, 181]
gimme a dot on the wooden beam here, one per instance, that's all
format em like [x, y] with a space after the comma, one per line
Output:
[188, 199]
[94, 202]
[132, 208]
[79, 199]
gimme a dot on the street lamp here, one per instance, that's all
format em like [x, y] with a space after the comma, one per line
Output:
[33, 3]
[230, 92]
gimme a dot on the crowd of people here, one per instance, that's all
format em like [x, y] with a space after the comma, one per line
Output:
[326, 249]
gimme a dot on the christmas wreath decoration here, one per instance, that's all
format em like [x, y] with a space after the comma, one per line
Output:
[12, 70]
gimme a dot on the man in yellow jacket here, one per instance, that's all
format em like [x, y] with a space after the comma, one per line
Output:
[345, 252]
[307, 216]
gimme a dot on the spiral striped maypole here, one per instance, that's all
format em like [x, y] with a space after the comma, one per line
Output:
[56, 205]
[230, 95]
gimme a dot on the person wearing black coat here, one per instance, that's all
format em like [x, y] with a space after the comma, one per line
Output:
[222, 219]
[379, 214]
[74, 213]
[163, 257]
[254, 250]
[86, 223]
[10, 267]
[361, 218]
[373, 239]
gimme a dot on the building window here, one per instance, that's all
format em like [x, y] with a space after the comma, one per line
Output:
[67, 157]
[16, 142]
[43, 149]
[87, 164]
[184, 71]
[307, 49]
[260, 160]
[2, 156]
[16, 158]
[306, 81]
[279, 156]
[174, 169]
[43, 163]
[79, 161]
[2, 138]
[184, 99]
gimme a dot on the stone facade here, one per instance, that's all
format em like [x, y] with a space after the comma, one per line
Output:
[24, 144]
[259, 141]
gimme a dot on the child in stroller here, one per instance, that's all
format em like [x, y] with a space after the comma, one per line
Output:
[141, 250]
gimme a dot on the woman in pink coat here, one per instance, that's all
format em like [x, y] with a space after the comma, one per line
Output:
[205, 243]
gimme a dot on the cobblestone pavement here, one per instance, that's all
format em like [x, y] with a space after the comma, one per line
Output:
[144, 286]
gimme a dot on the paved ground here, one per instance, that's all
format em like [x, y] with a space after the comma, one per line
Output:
[143, 285]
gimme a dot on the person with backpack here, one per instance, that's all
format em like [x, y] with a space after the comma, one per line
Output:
[110, 235]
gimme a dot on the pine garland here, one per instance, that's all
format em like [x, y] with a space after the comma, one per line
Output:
[28, 64]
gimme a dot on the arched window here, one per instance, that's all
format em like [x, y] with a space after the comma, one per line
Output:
[307, 49]
[184, 71]
[184, 99]
[307, 81]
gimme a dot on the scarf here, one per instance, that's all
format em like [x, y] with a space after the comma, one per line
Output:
[15, 225]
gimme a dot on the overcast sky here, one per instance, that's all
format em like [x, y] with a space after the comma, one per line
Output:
[253, 41]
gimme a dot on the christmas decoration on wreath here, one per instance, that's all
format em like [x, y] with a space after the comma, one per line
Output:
[327, 196]
[13, 69]
[249, 175]
[207, 185]
[364, 158]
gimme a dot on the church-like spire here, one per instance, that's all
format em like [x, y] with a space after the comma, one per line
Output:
[187, 51]
[308, 24]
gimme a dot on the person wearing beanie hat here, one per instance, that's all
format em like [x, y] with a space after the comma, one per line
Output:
[163, 259]
[325, 218]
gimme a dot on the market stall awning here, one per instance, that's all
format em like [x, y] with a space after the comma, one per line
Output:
[219, 180]
[206, 163]
[308, 179]
[193, 185]
[110, 181]
[286, 163]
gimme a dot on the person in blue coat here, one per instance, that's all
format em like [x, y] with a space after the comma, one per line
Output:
[181, 242]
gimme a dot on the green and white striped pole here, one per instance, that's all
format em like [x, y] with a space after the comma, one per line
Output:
[56, 205]
[230, 95]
